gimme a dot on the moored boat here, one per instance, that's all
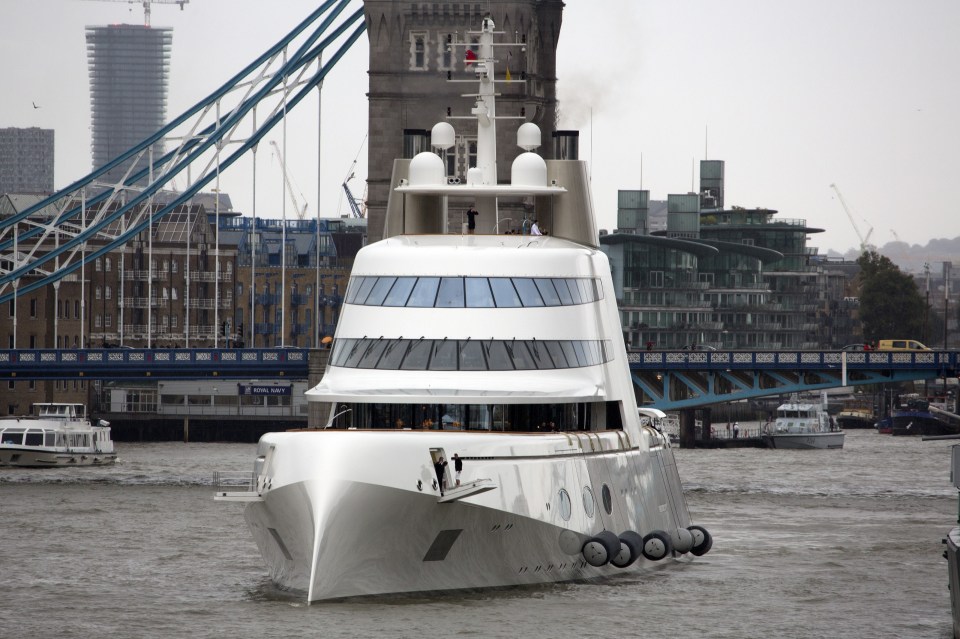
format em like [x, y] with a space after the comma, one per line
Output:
[856, 413]
[484, 430]
[56, 434]
[915, 417]
[803, 424]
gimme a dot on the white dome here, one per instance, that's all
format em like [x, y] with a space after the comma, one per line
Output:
[528, 169]
[528, 136]
[474, 175]
[442, 135]
[427, 169]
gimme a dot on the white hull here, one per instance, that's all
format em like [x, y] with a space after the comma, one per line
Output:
[799, 441]
[41, 458]
[350, 529]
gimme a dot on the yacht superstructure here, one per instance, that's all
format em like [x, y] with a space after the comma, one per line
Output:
[484, 430]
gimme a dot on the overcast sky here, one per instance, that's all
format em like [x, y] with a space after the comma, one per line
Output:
[793, 96]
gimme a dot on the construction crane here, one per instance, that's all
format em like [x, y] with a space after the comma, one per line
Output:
[301, 212]
[865, 244]
[354, 203]
[146, 6]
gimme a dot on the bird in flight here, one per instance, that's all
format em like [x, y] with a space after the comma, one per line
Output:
[35, 105]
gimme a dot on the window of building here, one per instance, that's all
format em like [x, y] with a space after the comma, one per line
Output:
[174, 321]
[108, 320]
[66, 309]
[97, 292]
[418, 50]
[98, 265]
[97, 321]
[164, 293]
[108, 264]
[109, 292]
[33, 341]
[445, 54]
[173, 293]
[33, 307]
[174, 266]
[656, 279]
[11, 309]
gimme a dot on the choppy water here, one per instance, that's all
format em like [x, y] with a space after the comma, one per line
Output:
[807, 544]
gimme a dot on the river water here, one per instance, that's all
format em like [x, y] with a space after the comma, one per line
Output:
[807, 544]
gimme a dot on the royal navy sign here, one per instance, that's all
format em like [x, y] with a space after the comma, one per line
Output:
[264, 389]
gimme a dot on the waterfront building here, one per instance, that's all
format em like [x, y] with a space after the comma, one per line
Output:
[726, 278]
[26, 160]
[417, 74]
[129, 67]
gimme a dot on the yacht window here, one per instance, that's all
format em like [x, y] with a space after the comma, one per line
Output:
[49, 438]
[529, 294]
[471, 356]
[548, 291]
[451, 293]
[400, 292]
[563, 292]
[444, 356]
[418, 356]
[12, 437]
[588, 503]
[581, 354]
[586, 290]
[364, 290]
[497, 356]
[520, 356]
[556, 354]
[565, 509]
[574, 291]
[357, 352]
[569, 354]
[373, 353]
[541, 358]
[425, 292]
[379, 291]
[478, 293]
[393, 354]
[34, 438]
[607, 499]
[504, 293]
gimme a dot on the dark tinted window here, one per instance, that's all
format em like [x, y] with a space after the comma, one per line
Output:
[400, 292]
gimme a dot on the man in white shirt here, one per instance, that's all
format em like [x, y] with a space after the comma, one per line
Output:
[535, 229]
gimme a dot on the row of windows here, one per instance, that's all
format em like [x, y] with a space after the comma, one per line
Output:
[468, 355]
[472, 292]
[106, 264]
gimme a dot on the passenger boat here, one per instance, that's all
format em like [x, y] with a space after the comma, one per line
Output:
[803, 424]
[56, 434]
[501, 351]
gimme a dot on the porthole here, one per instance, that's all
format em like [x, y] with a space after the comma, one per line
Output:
[607, 499]
[565, 508]
[588, 504]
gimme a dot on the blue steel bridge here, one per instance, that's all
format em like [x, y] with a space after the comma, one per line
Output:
[668, 380]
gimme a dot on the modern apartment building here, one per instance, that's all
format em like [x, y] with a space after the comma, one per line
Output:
[26, 160]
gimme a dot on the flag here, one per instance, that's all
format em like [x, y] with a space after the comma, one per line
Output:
[471, 57]
[509, 57]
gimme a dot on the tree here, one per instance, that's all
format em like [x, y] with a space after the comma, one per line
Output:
[891, 306]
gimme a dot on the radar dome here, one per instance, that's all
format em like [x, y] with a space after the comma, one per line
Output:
[427, 169]
[528, 169]
[528, 136]
[442, 135]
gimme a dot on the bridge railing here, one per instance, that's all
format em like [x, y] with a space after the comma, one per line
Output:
[111, 363]
[791, 360]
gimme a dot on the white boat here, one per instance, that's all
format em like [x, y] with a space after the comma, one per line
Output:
[503, 349]
[803, 424]
[56, 434]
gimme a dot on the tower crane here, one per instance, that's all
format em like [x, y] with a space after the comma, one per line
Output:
[864, 239]
[301, 212]
[146, 6]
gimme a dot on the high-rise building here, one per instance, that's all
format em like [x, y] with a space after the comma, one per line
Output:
[129, 68]
[419, 69]
[26, 160]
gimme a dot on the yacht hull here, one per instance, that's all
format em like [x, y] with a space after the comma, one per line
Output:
[344, 536]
